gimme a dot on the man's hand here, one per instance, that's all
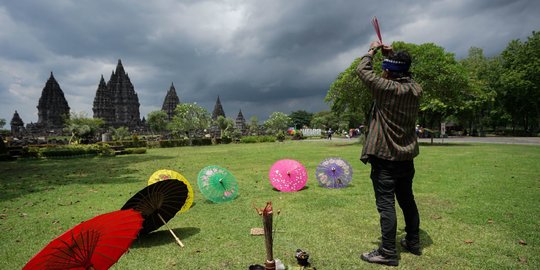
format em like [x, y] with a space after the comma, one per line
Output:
[376, 45]
[373, 47]
[387, 50]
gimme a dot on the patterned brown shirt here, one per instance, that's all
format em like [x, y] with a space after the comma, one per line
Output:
[391, 134]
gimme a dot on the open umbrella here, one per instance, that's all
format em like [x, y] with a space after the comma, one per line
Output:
[158, 203]
[217, 184]
[96, 243]
[334, 173]
[288, 175]
[160, 175]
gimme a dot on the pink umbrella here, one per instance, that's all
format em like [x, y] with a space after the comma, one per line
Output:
[288, 175]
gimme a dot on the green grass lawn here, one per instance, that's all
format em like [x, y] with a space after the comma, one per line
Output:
[476, 203]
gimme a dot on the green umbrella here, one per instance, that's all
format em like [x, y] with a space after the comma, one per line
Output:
[217, 184]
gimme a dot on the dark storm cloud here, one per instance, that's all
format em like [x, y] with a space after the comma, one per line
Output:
[258, 56]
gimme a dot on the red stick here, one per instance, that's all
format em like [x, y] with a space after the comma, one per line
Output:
[375, 24]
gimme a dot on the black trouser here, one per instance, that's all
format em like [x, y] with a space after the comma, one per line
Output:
[389, 178]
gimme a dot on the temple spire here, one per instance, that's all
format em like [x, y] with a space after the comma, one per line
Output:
[218, 110]
[52, 106]
[170, 102]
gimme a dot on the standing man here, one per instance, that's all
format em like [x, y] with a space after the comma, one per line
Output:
[390, 147]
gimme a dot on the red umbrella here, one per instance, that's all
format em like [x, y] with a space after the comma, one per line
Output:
[94, 244]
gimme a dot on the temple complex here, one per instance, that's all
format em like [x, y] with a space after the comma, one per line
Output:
[117, 103]
[170, 102]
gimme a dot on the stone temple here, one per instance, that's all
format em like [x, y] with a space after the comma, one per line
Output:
[240, 123]
[17, 124]
[52, 108]
[116, 102]
[170, 102]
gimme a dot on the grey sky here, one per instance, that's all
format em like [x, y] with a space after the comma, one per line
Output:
[258, 56]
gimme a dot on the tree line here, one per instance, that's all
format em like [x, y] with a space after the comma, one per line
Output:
[479, 93]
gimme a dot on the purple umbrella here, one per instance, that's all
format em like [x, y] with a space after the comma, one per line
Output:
[334, 173]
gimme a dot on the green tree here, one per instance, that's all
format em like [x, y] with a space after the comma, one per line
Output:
[189, 118]
[157, 121]
[82, 127]
[520, 82]
[2, 123]
[498, 115]
[443, 79]
[328, 119]
[277, 122]
[119, 134]
[477, 103]
[300, 118]
[253, 126]
[349, 96]
[226, 125]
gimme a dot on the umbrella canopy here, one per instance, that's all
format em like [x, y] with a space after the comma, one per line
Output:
[161, 175]
[288, 175]
[334, 173]
[96, 243]
[217, 184]
[158, 203]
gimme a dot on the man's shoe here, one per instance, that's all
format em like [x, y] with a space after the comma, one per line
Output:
[412, 248]
[376, 256]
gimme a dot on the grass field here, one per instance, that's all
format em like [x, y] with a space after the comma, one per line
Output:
[478, 203]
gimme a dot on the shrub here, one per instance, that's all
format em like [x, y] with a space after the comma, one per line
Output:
[134, 143]
[69, 151]
[105, 150]
[226, 140]
[280, 136]
[257, 139]
[173, 143]
[152, 144]
[249, 139]
[201, 141]
[130, 151]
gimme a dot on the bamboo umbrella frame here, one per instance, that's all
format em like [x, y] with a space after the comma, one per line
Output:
[267, 217]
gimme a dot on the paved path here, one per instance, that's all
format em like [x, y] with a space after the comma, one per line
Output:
[495, 140]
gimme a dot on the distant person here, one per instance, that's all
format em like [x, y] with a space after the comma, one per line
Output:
[329, 133]
[391, 145]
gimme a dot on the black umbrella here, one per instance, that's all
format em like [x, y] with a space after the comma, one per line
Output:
[158, 203]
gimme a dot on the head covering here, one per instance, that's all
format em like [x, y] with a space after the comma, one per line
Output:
[395, 65]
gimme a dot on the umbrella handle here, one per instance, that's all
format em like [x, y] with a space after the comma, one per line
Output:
[175, 237]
